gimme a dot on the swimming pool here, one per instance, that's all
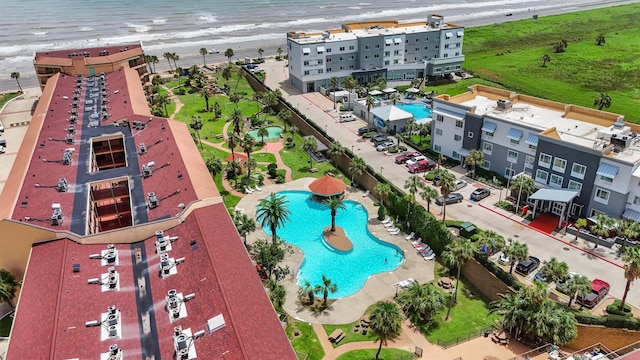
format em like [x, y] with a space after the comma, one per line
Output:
[349, 270]
[274, 133]
[419, 111]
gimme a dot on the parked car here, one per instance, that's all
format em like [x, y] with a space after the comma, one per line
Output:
[252, 66]
[436, 179]
[460, 184]
[385, 145]
[346, 117]
[364, 130]
[599, 289]
[214, 51]
[560, 285]
[479, 194]
[415, 160]
[379, 139]
[503, 259]
[540, 277]
[1, 127]
[526, 267]
[451, 199]
[422, 166]
[405, 156]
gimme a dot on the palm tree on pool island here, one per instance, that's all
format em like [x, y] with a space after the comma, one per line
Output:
[325, 288]
[335, 204]
[386, 322]
[273, 213]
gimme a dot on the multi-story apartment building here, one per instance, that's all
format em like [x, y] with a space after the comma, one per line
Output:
[369, 50]
[590, 152]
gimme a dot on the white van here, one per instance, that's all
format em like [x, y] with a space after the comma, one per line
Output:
[346, 117]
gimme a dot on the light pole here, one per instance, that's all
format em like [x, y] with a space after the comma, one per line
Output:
[520, 187]
[381, 168]
[325, 129]
[396, 291]
[509, 179]
[352, 149]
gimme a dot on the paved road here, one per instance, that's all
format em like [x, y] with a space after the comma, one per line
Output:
[320, 109]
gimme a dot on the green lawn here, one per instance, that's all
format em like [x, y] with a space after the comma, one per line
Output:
[510, 54]
[264, 157]
[385, 354]
[351, 336]
[306, 343]
[6, 97]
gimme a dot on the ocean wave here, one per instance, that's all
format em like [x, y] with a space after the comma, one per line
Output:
[207, 18]
[355, 7]
[86, 28]
[139, 28]
[40, 33]
[159, 21]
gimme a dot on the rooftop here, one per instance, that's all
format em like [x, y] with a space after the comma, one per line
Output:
[96, 55]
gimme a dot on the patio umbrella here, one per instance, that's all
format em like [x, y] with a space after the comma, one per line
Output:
[327, 186]
[412, 90]
[375, 92]
[389, 90]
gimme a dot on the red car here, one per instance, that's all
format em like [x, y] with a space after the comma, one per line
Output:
[402, 158]
[422, 166]
[599, 289]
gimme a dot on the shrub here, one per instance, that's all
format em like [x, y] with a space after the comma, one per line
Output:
[402, 148]
[280, 179]
[368, 135]
[382, 212]
[392, 150]
[496, 270]
[613, 309]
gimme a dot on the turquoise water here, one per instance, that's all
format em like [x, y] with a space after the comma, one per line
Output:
[419, 111]
[274, 133]
[349, 270]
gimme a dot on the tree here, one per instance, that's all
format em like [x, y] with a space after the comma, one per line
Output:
[204, 52]
[262, 132]
[429, 194]
[214, 165]
[386, 322]
[545, 59]
[307, 291]
[447, 186]
[603, 101]
[523, 184]
[226, 72]
[413, 185]
[456, 254]
[395, 97]
[356, 167]
[154, 61]
[577, 286]
[273, 213]
[206, 92]
[579, 224]
[600, 40]
[244, 224]
[334, 86]
[284, 115]
[8, 287]
[229, 54]
[349, 83]
[629, 229]
[325, 288]
[491, 239]
[269, 255]
[279, 51]
[370, 101]
[474, 159]
[631, 261]
[555, 270]
[162, 100]
[16, 75]
[383, 190]
[516, 252]
[560, 46]
[310, 146]
[175, 58]
[381, 82]
[277, 294]
[167, 56]
[233, 140]
[335, 149]
[196, 125]
[420, 302]
[602, 227]
[260, 52]
[248, 142]
[334, 204]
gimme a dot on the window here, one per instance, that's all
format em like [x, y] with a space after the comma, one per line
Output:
[636, 200]
[487, 148]
[438, 131]
[437, 148]
[376, 56]
[352, 47]
[544, 160]
[574, 185]
[555, 180]
[366, 57]
[366, 47]
[386, 53]
[341, 48]
[602, 196]
[542, 176]
[386, 62]
[455, 155]
[486, 164]
[306, 72]
[328, 50]
[578, 170]
[515, 142]
[512, 156]
[533, 147]
[559, 164]
[528, 161]
[377, 46]
[439, 118]
[509, 172]
[470, 134]
[459, 123]
[457, 137]
[606, 179]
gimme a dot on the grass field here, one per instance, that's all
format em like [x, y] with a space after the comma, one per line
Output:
[6, 97]
[510, 54]
[385, 354]
[306, 342]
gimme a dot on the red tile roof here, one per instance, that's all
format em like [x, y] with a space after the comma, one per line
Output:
[91, 52]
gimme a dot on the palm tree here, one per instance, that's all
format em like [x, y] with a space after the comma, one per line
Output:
[370, 101]
[236, 119]
[523, 184]
[279, 51]
[555, 270]
[420, 302]
[284, 115]
[335, 149]
[206, 92]
[413, 184]
[429, 194]
[602, 227]
[631, 261]
[516, 252]
[175, 58]
[233, 140]
[491, 239]
[600, 40]
[167, 56]
[214, 165]
[307, 291]
[629, 229]
[260, 52]
[16, 75]
[474, 159]
[349, 83]
[334, 204]
[325, 288]
[386, 322]
[244, 224]
[334, 85]
[310, 146]
[603, 101]
[356, 167]
[456, 254]
[560, 46]
[383, 190]
[8, 287]
[247, 143]
[395, 97]
[273, 213]
[545, 59]
[196, 125]
[226, 72]
[204, 52]
[262, 132]
[162, 100]
[229, 54]
[577, 286]
[579, 224]
[381, 82]
[447, 185]
[509, 309]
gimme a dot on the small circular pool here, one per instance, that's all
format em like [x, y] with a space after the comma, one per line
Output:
[274, 133]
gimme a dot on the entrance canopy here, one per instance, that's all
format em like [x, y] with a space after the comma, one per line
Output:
[560, 195]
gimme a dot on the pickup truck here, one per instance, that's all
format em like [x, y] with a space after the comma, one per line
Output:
[599, 289]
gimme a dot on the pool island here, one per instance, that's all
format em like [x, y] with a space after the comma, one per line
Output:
[337, 239]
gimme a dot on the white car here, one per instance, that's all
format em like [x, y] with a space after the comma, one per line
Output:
[1, 149]
[415, 160]
[503, 259]
[214, 51]
[385, 145]
[460, 184]
[1, 127]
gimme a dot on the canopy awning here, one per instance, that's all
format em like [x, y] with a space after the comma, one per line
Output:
[463, 152]
[327, 186]
[412, 90]
[306, 50]
[489, 127]
[607, 170]
[460, 33]
[375, 92]
[448, 34]
[320, 49]
[631, 215]
[448, 113]
[532, 139]
[388, 41]
[559, 195]
[397, 40]
[514, 134]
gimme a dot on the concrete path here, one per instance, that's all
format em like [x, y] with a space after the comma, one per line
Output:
[175, 99]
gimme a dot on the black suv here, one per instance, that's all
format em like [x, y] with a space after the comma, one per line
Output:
[379, 139]
[527, 266]
[364, 130]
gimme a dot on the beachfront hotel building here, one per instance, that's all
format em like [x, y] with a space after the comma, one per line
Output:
[592, 157]
[369, 50]
[122, 241]
[91, 62]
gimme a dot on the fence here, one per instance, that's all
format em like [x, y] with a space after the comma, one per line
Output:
[464, 338]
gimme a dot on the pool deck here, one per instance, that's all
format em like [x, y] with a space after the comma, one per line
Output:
[377, 287]
[337, 239]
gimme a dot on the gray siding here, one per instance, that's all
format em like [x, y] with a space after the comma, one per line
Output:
[472, 124]
[371, 50]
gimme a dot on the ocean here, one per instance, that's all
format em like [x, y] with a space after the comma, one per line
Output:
[186, 26]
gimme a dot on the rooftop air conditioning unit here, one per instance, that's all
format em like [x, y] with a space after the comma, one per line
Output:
[63, 185]
[142, 149]
[153, 200]
[56, 217]
[146, 169]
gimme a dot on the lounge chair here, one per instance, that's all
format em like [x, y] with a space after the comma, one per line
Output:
[240, 210]
[410, 237]
[389, 224]
[392, 229]
[430, 257]
[395, 232]
[248, 190]
[386, 220]
[258, 188]
[366, 193]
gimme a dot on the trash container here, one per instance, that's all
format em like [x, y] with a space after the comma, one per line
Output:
[486, 333]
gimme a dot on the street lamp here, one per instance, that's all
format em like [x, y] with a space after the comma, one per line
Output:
[396, 291]
[325, 129]
[352, 149]
[381, 168]
[509, 179]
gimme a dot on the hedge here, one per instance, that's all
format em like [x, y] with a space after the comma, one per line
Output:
[610, 321]
[504, 276]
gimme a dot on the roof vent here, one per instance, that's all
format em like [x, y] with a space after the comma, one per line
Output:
[183, 343]
[66, 157]
[504, 104]
[142, 149]
[114, 353]
[112, 278]
[56, 217]
[146, 169]
[153, 200]
[63, 185]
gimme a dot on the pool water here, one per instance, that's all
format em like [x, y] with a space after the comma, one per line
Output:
[349, 270]
[274, 133]
[419, 111]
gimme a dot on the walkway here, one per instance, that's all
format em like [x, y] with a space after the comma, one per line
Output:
[175, 99]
